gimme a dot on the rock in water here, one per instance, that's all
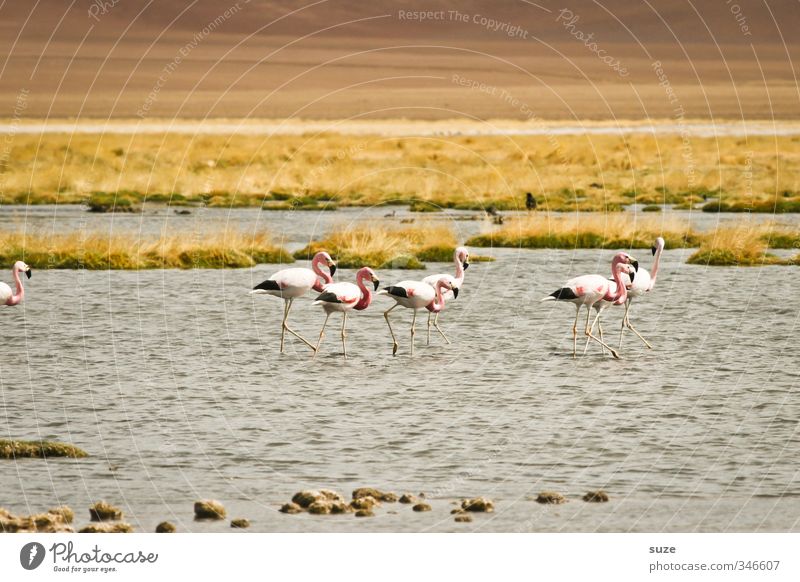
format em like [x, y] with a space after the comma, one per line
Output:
[102, 511]
[596, 497]
[165, 527]
[119, 527]
[240, 523]
[290, 508]
[478, 504]
[551, 497]
[463, 518]
[364, 513]
[421, 507]
[387, 496]
[408, 498]
[208, 509]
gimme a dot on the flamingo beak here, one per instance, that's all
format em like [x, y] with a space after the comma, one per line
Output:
[635, 264]
[653, 249]
[455, 292]
[465, 264]
[28, 273]
[376, 282]
[332, 267]
[632, 274]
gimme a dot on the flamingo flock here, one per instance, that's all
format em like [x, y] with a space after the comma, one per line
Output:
[627, 282]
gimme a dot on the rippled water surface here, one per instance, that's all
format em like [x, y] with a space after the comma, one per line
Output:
[172, 381]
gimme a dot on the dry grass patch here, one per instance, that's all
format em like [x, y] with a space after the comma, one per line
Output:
[385, 247]
[96, 251]
[592, 231]
[735, 246]
[12, 449]
[564, 172]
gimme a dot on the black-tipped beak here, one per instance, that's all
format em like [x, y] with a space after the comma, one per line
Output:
[376, 283]
[333, 269]
[635, 265]
[631, 276]
[653, 249]
[465, 264]
[28, 273]
[455, 292]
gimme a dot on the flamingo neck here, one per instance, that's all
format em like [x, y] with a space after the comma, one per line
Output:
[366, 293]
[654, 269]
[459, 270]
[621, 295]
[17, 297]
[316, 266]
[437, 304]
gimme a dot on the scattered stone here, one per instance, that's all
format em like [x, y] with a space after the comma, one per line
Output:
[118, 527]
[458, 511]
[306, 497]
[209, 509]
[102, 511]
[291, 508]
[65, 512]
[551, 497]
[11, 449]
[331, 495]
[364, 503]
[407, 498]
[464, 518]
[320, 508]
[340, 507]
[478, 504]
[364, 513]
[240, 523]
[421, 507]
[596, 497]
[388, 496]
[41, 522]
[165, 527]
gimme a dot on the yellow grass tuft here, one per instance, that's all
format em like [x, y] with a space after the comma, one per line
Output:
[386, 247]
[588, 231]
[742, 245]
[95, 251]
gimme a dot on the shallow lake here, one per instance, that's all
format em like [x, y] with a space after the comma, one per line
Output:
[173, 382]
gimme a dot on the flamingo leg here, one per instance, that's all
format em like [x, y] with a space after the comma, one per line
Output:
[600, 328]
[624, 322]
[286, 327]
[413, 331]
[391, 331]
[589, 332]
[344, 334]
[439, 329]
[429, 329]
[575, 332]
[627, 322]
[321, 335]
[283, 323]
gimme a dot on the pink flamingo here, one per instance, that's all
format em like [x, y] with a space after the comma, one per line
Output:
[345, 297]
[9, 297]
[289, 284]
[628, 275]
[588, 290]
[416, 295]
[461, 259]
[642, 284]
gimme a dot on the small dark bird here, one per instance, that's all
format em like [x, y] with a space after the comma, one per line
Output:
[530, 201]
[390, 214]
[492, 211]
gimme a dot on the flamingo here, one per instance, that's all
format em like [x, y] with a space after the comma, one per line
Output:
[345, 297]
[9, 297]
[289, 284]
[461, 259]
[588, 290]
[642, 284]
[416, 295]
[603, 304]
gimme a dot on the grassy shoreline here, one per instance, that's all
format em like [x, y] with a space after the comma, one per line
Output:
[319, 171]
